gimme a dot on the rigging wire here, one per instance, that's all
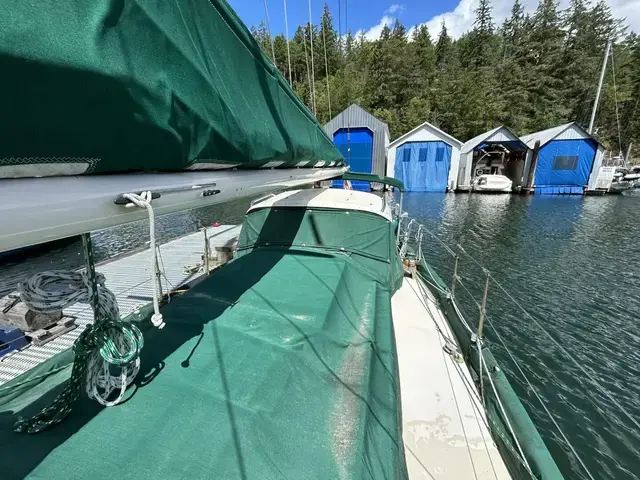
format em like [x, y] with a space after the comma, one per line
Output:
[615, 97]
[313, 75]
[340, 25]
[306, 59]
[326, 65]
[561, 348]
[273, 51]
[346, 85]
[551, 417]
[568, 355]
[286, 32]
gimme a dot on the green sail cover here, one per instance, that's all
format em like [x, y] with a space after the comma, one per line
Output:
[282, 364]
[96, 86]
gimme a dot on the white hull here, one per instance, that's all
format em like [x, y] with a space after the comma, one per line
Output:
[619, 187]
[492, 184]
[491, 190]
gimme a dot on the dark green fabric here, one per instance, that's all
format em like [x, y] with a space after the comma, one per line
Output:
[370, 177]
[353, 231]
[280, 365]
[368, 237]
[534, 448]
[145, 85]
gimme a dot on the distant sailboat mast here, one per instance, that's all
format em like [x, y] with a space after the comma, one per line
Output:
[597, 99]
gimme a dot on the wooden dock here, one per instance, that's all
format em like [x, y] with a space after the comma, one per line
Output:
[129, 278]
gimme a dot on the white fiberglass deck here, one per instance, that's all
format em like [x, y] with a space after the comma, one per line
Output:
[129, 278]
[444, 426]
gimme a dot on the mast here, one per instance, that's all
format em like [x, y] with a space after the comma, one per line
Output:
[597, 100]
[627, 157]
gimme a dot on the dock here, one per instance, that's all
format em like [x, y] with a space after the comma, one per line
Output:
[129, 278]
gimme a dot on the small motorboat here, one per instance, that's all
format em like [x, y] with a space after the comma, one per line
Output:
[492, 184]
[620, 182]
[633, 177]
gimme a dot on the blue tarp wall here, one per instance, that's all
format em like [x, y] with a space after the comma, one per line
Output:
[564, 166]
[423, 166]
[360, 158]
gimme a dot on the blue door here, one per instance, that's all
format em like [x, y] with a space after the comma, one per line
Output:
[356, 145]
[423, 166]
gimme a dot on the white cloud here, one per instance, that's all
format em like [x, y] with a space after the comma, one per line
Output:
[460, 19]
[374, 32]
[628, 9]
[395, 8]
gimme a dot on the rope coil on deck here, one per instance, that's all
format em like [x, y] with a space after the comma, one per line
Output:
[106, 345]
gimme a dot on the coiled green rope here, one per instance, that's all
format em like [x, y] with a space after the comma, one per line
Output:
[108, 339]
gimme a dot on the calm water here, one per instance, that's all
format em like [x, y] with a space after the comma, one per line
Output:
[574, 263]
[116, 241]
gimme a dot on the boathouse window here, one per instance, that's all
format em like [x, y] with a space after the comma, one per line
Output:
[422, 156]
[565, 162]
[439, 154]
[406, 155]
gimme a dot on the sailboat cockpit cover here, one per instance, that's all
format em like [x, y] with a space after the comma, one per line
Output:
[96, 86]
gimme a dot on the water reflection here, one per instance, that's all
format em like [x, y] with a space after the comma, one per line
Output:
[119, 240]
[573, 261]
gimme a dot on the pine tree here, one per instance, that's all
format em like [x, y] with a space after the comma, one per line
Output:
[423, 58]
[388, 83]
[478, 47]
[484, 22]
[399, 32]
[263, 38]
[512, 70]
[512, 30]
[631, 110]
[581, 59]
[397, 52]
[543, 50]
[443, 47]
[385, 35]
[280, 48]
[328, 37]
[532, 73]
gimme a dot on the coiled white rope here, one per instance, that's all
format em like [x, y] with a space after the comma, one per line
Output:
[144, 201]
[107, 345]
[117, 346]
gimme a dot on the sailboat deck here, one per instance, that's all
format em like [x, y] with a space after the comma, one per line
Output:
[445, 430]
[129, 277]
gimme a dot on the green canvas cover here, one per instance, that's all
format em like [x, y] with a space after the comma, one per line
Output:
[95, 86]
[281, 364]
[367, 237]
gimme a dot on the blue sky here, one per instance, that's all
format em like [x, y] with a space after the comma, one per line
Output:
[362, 15]
[369, 16]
